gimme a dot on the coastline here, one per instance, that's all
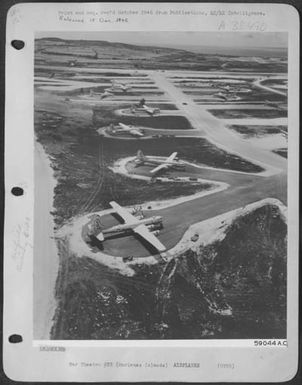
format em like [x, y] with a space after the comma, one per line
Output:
[46, 258]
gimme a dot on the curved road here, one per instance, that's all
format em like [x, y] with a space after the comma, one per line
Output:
[270, 89]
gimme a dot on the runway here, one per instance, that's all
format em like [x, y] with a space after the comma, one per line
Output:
[243, 190]
[215, 129]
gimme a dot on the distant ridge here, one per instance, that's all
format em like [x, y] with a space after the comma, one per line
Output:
[278, 52]
[105, 43]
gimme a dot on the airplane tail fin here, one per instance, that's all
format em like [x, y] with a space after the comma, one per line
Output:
[140, 155]
[142, 102]
[100, 237]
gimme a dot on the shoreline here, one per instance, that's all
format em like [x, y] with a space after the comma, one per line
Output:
[46, 258]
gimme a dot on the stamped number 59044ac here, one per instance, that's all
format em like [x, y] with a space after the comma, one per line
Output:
[270, 343]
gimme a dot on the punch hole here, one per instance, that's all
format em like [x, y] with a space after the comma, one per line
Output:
[17, 191]
[15, 339]
[17, 44]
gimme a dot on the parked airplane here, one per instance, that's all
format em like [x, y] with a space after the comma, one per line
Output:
[103, 95]
[141, 106]
[163, 162]
[228, 97]
[106, 94]
[123, 128]
[147, 228]
[151, 111]
[116, 86]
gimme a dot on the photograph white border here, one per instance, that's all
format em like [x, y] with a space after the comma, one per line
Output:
[26, 361]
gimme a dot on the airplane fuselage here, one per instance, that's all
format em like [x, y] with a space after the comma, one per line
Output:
[151, 160]
[149, 110]
[131, 132]
[124, 128]
[129, 226]
[116, 87]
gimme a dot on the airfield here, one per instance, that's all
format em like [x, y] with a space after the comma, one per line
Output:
[223, 206]
[191, 96]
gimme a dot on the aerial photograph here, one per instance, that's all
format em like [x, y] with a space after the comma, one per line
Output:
[160, 163]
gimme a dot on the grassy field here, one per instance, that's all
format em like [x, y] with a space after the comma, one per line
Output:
[270, 67]
[274, 83]
[260, 95]
[241, 114]
[257, 131]
[88, 76]
[192, 149]
[255, 95]
[163, 106]
[101, 89]
[103, 116]
[186, 297]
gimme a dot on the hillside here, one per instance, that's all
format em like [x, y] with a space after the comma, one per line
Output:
[104, 54]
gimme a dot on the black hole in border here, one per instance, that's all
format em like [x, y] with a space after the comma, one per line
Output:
[17, 191]
[18, 44]
[15, 338]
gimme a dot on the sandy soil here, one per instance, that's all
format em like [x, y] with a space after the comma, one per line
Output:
[46, 257]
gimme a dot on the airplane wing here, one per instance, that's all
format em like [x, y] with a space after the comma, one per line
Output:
[171, 157]
[123, 213]
[160, 167]
[124, 126]
[136, 132]
[148, 110]
[144, 232]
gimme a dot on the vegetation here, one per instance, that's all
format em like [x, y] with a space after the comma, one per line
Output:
[104, 54]
[103, 116]
[251, 131]
[241, 113]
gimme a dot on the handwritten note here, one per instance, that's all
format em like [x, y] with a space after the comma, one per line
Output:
[21, 243]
